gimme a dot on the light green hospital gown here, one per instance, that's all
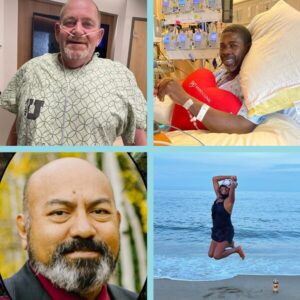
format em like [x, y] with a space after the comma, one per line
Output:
[92, 105]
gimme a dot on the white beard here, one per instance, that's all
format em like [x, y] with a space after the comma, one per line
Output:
[75, 55]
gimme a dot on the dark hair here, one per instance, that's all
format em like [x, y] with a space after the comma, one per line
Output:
[242, 31]
[223, 185]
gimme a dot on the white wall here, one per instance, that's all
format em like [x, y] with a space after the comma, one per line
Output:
[134, 8]
[244, 11]
[9, 32]
[8, 56]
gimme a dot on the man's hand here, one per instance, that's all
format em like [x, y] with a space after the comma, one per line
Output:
[173, 88]
[215, 120]
[140, 137]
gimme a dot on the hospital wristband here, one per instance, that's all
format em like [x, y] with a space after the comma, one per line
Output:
[201, 114]
[187, 105]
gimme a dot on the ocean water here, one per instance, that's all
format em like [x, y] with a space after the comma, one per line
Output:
[267, 225]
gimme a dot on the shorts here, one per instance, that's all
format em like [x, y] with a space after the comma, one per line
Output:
[222, 234]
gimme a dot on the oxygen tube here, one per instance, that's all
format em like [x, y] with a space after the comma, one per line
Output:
[83, 35]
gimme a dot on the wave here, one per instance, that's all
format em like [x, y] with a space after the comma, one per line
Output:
[180, 228]
[273, 234]
[240, 233]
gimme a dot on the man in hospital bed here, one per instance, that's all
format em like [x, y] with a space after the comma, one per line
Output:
[234, 45]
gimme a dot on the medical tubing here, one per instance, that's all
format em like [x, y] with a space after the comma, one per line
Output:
[188, 134]
[65, 106]
[83, 35]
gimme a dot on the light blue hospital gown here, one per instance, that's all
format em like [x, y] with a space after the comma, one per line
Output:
[234, 87]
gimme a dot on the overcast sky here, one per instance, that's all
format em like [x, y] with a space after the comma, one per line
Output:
[256, 171]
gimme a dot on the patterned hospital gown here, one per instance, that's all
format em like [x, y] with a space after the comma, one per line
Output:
[92, 105]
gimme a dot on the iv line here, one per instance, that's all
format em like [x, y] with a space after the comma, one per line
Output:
[162, 126]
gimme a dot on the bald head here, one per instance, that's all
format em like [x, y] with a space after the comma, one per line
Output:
[80, 4]
[66, 178]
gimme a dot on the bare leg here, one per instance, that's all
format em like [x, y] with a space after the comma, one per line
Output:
[230, 245]
[221, 252]
[212, 248]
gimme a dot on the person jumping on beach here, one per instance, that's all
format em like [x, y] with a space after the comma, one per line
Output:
[222, 230]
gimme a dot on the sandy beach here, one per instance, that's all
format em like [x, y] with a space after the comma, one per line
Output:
[239, 287]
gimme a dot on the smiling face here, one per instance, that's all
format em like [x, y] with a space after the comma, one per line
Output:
[224, 191]
[78, 32]
[74, 224]
[233, 51]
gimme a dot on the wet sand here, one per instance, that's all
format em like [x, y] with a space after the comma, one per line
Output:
[240, 287]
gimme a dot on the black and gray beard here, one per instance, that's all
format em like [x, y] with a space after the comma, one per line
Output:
[78, 275]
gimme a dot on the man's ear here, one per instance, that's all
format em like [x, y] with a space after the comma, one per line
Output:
[21, 225]
[119, 217]
[100, 36]
[248, 47]
[57, 31]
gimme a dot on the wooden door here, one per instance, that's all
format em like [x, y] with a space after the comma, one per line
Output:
[111, 22]
[26, 10]
[137, 59]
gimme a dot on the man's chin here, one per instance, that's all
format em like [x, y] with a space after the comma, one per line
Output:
[81, 262]
[75, 55]
[76, 275]
[232, 69]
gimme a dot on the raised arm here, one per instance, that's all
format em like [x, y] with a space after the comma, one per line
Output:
[228, 204]
[231, 197]
[214, 120]
[216, 180]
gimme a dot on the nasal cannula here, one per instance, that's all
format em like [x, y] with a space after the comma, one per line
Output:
[82, 35]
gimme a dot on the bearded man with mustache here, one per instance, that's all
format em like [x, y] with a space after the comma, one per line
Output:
[70, 229]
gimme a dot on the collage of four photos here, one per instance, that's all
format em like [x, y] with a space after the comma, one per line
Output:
[172, 131]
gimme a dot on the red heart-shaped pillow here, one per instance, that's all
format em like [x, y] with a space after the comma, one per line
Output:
[202, 85]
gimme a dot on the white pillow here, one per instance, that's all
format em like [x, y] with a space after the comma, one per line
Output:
[270, 73]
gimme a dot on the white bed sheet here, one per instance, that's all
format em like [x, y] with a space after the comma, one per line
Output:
[278, 130]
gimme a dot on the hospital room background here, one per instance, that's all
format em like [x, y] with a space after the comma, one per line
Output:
[186, 38]
[27, 28]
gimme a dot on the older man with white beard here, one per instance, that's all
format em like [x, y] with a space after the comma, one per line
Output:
[74, 97]
[70, 229]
